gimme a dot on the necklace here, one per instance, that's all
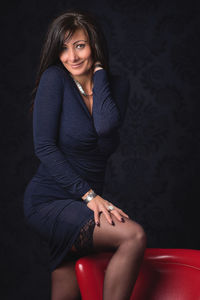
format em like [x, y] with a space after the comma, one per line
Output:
[80, 88]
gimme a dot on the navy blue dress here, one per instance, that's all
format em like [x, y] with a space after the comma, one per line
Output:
[73, 147]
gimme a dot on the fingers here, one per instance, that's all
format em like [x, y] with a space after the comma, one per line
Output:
[96, 217]
[108, 216]
[97, 62]
[99, 205]
[116, 211]
[119, 212]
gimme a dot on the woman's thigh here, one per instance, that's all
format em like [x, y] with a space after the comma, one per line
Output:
[110, 237]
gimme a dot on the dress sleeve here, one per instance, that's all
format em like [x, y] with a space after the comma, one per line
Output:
[46, 114]
[108, 110]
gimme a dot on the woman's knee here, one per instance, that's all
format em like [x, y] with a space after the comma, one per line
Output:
[141, 238]
[111, 237]
[135, 233]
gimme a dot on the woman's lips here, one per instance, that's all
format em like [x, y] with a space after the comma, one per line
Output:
[76, 66]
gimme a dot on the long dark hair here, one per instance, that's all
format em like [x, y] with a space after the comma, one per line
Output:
[70, 21]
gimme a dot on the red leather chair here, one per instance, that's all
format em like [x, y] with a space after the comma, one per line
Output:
[165, 274]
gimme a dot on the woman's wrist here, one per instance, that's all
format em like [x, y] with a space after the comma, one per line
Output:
[97, 66]
[89, 196]
[85, 195]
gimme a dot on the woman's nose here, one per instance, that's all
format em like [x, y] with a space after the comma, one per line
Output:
[72, 55]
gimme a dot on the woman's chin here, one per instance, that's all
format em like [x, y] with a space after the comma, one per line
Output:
[80, 72]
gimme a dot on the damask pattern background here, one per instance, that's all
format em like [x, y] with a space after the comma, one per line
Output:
[154, 174]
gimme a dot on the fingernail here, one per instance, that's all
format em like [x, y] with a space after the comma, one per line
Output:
[122, 219]
[113, 223]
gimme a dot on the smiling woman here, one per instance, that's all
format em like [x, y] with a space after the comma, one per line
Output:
[56, 45]
[78, 108]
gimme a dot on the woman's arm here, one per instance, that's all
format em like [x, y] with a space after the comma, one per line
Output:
[108, 113]
[46, 117]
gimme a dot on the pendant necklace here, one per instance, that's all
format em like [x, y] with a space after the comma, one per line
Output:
[80, 88]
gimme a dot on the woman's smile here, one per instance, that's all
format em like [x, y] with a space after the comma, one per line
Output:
[77, 65]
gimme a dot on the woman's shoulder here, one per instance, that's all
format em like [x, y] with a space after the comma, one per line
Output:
[55, 69]
[55, 76]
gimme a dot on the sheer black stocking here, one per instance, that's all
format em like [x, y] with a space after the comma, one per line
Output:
[84, 242]
[129, 241]
[64, 282]
[122, 272]
[64, 285]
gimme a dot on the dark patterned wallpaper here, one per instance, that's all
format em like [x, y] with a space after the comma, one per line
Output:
[154, 174]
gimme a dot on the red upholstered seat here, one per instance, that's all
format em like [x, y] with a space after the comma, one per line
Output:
[165, 274]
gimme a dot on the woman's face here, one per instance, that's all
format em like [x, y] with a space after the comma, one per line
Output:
[76, 54]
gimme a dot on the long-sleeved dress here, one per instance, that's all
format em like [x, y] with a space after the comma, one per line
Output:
[73, 146]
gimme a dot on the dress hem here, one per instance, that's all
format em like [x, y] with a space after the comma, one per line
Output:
[55, 265]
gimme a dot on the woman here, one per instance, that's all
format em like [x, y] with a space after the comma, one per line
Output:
[78, 109]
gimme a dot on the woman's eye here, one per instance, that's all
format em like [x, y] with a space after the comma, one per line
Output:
[82, 45]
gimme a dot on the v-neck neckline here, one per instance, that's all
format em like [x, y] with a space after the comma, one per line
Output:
[81, 100]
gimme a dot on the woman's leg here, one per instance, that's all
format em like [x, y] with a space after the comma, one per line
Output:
[64, 282]
[128, 240]
[64, 285]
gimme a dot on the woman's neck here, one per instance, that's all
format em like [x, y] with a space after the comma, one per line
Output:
[86, 81]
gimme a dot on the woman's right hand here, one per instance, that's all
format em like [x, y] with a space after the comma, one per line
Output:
[98, 204]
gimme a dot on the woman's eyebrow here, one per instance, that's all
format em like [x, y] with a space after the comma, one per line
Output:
[76, 42]
[79, 41]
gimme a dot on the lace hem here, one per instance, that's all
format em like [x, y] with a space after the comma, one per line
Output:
[84, 242]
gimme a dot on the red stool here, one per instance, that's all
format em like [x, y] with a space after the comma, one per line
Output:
[165, 274]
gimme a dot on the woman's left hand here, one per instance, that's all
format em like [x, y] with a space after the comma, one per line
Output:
[96, 68]
[99, 204]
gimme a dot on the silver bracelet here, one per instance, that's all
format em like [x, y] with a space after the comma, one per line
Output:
[90, 196]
